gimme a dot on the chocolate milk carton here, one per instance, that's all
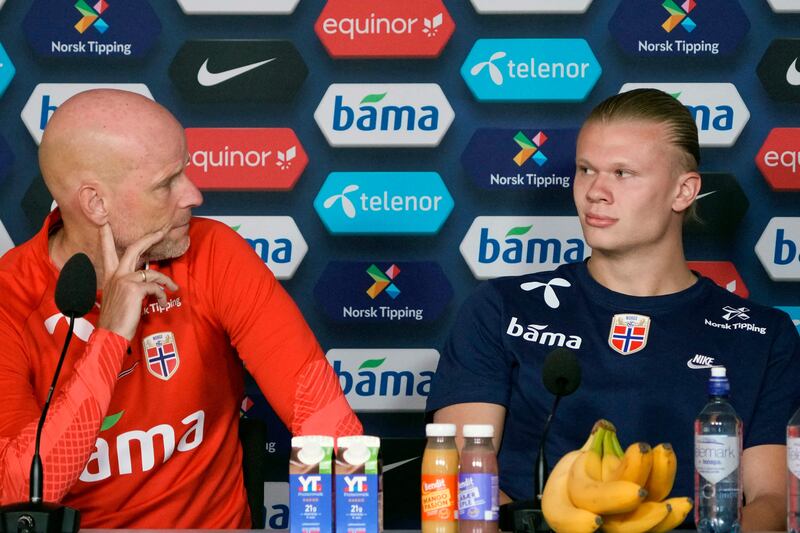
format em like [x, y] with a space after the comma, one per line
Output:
[311, 485]
[359, 495]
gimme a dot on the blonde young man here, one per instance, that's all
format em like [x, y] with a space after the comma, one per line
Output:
[634, 314]
[143, 429]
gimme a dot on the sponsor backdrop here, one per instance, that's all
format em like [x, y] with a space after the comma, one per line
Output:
[384, 157]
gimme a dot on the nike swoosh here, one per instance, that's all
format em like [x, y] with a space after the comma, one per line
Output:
[704, 195]
[209, 79]
[696, 366]
[792, 74]
[395, 465]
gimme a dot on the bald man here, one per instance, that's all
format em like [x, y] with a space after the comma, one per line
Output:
[142, 432]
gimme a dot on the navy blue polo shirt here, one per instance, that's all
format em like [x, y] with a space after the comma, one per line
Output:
[644, 364]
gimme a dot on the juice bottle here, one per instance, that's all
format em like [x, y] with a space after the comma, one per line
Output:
[478, 493]
[439, 480]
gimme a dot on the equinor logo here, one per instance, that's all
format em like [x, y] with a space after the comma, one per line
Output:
[510, 246]
[393, 114]
[383, 202]
[385, 380]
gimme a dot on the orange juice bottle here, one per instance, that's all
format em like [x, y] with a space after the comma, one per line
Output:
[440, 480]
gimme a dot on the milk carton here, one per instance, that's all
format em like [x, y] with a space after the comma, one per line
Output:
[310, 485]
[359, 495]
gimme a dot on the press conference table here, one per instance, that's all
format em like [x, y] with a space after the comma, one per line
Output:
[278, 531]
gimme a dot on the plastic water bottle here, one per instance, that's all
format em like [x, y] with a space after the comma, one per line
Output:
[717, 454]
[793, 475]
[478, 493]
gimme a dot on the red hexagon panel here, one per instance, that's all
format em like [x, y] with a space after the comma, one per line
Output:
[723, 273]
[779, 159]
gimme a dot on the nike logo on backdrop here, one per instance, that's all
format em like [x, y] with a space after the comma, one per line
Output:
[392, 466]
[792, 74]
[209, 79]
[704, 195]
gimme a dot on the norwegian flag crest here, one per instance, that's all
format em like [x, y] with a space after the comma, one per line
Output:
[161, 355]
[628, 333]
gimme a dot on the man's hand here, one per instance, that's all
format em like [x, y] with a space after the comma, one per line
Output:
[124, 288]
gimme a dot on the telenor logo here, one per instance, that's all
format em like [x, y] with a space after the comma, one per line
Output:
[276, 240]
[779, 159]
[256, 70]
[91, 28]
[347, 291]
[487, 7]
[46, 97]
[718, 109]
[238, 7]
[385, 379]
[779, 70]
[7, 70]
[388, 115]
[778, 249]
[721, 206]
[531, 70]
[723, 273]
[365, 28]
[244, 158]
[521, 158]
[679, 28]
[511, 246]
[785, 6]
[405, 203]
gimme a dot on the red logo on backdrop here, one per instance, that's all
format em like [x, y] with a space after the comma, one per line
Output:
[723, 273]
[244, 158]
[382, 28]
[779, 159]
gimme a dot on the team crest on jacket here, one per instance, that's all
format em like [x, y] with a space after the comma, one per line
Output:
[161, 354]
[628, 333]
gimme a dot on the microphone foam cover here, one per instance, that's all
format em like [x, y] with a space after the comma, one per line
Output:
[76, 287]
[561, 372]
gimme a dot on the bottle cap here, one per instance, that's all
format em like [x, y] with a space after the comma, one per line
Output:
[718, 372]
[485, 431]
[440, 430]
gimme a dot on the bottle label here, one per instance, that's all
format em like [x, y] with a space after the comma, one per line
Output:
[793, 455]
[716, 456]
[438, 497]
[477, 497]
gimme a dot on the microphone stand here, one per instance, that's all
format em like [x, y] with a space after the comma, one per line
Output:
[36, 515]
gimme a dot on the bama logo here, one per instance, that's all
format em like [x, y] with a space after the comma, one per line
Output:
[121, 450]
[362, 291]
[46, 97]
[723, 273]
[778, 249]
[369, 29]
[386, 115]
[521, 158]
[779, 70]
[276, 240]
[511, 246]
[678, 28]
[238, 7]
[385, 380]
[91, 29]
[539, 334]
[244, 158]
[405, 203]
[779, 158]
[487, 7]
[531, 70]
[717, 108]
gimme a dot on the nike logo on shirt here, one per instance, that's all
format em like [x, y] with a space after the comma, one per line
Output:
[792, 74]
[209, 79]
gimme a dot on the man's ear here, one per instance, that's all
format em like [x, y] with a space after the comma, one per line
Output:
[688, 188]
[92, 202]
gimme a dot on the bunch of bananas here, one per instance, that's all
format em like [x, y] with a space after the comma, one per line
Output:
[602, 486]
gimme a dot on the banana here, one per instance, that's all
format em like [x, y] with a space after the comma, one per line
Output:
[680, 508]
[611, 459]
[601, 497]
[636, 464]
[641, 519]
[561, 515]
[662, 475]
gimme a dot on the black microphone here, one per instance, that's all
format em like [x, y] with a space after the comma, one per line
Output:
[75, 295]
[561, 374]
